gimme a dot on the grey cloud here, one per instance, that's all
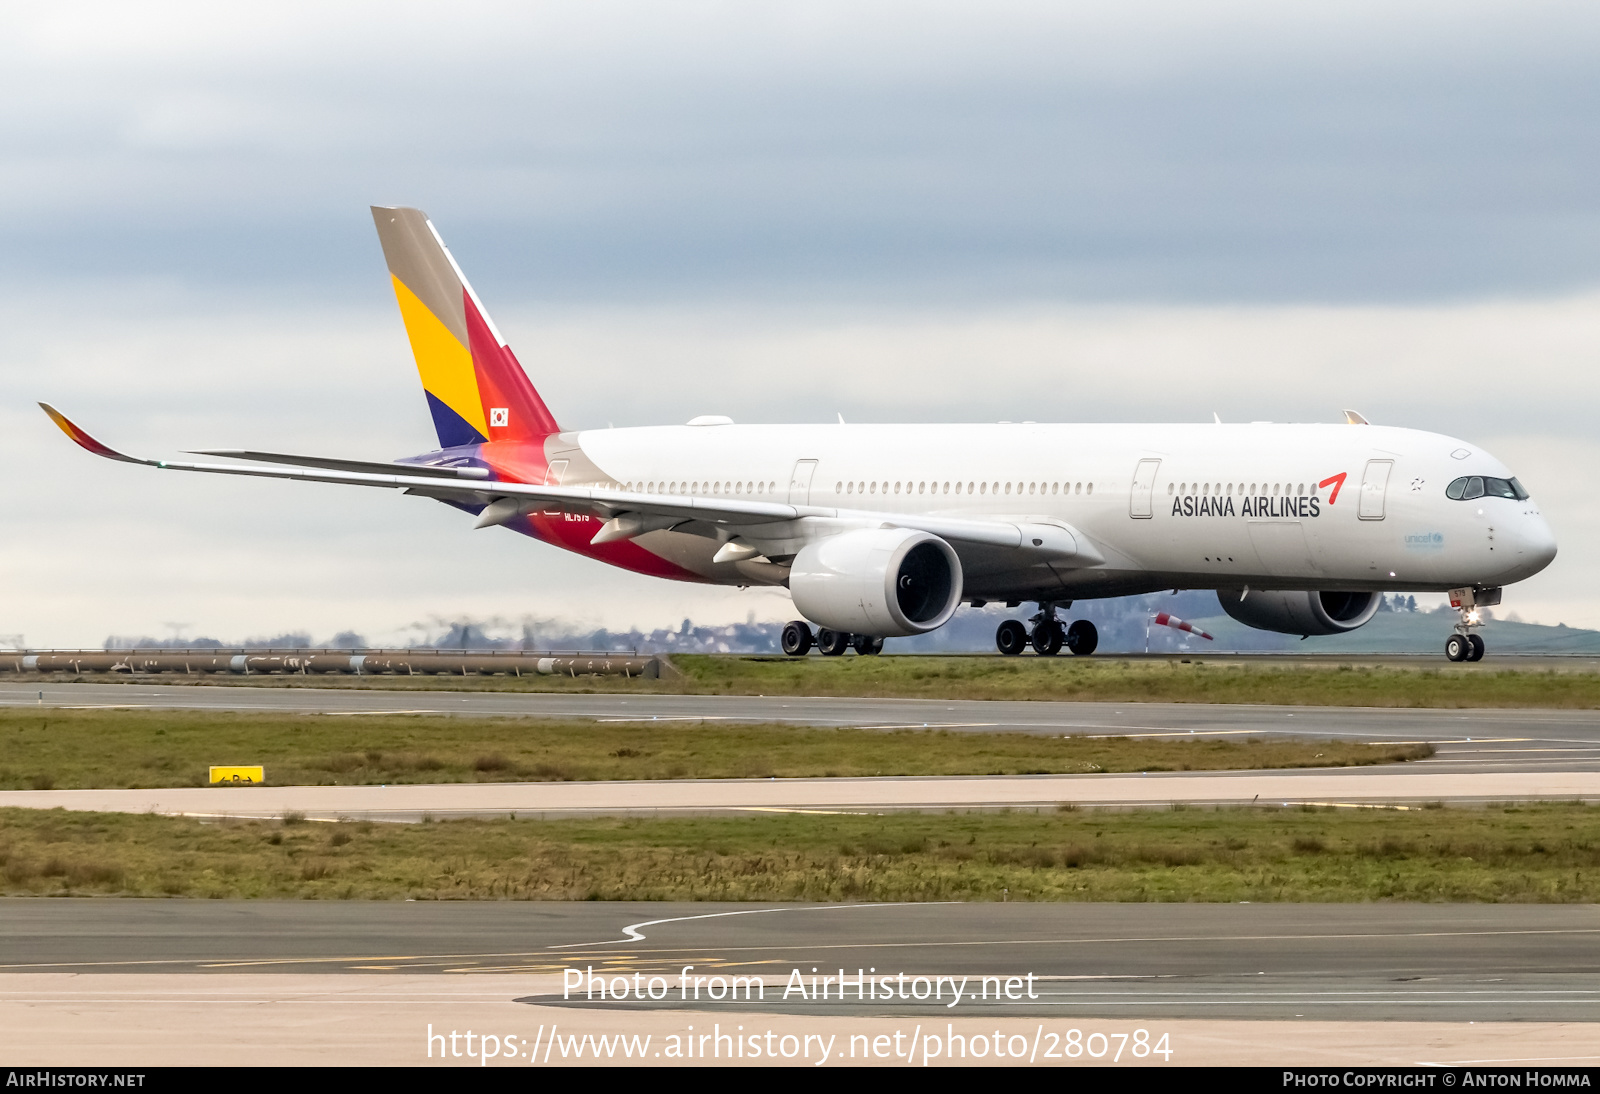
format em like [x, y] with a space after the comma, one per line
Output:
[611, 152]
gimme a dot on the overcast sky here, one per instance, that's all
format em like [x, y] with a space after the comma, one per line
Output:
[1142, 211]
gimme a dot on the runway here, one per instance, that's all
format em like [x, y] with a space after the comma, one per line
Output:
[1398, 962]
[1481, 740]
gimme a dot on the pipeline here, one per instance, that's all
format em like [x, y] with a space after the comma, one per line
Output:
[356, 663]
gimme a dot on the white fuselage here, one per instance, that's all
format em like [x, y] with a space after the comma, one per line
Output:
[1167, 506]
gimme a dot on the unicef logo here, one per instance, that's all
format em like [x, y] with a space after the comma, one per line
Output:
[1425, 541]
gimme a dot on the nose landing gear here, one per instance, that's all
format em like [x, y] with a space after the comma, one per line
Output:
[1464, 645]
[1048, 635]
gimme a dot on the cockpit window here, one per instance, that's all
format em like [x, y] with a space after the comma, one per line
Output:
[1468, 488]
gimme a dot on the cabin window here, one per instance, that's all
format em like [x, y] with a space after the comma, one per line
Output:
[1091, 488]
[947, 487]
[922, 488]
[983, 488]
[958, 488]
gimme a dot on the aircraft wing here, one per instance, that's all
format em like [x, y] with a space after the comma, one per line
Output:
[370, 466]
[503, 501]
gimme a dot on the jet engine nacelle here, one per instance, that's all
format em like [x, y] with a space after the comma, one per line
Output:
[884, 582]
[1299, 612]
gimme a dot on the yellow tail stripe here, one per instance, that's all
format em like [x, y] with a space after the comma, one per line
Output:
[443, 362]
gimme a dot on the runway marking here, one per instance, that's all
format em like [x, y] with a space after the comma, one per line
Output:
[632, 934]
[669, 718]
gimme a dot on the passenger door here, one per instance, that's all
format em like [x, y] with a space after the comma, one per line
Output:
[1140, 504]
[1374, 485]
[800, 482]
[552, 477]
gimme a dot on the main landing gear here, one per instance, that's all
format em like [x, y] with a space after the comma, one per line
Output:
[797, 641]
[1047, 636]
[1464, 645]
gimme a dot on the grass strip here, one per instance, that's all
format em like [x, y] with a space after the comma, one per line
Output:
[1097, 679]
[1117, 681]
[47, 748]
[1546, 853]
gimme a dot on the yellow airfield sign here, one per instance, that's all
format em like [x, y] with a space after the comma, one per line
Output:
[238, 776]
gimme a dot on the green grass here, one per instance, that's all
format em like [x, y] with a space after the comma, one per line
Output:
[1097, 679]
[46, 748]
[1534, 853]
[1119, 681]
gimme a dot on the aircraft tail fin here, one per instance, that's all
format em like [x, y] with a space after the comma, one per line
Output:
[476, 388]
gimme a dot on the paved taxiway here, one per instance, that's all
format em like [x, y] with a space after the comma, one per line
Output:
[683, 797]
[1480, 740]
[1262, 961]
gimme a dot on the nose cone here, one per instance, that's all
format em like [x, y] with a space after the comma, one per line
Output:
[1536, 546]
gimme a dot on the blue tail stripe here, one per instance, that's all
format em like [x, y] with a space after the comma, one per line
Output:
[452, 428]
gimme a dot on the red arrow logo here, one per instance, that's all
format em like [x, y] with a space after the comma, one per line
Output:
[1336, 481]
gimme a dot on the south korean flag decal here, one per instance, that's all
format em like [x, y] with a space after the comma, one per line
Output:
[499, 417]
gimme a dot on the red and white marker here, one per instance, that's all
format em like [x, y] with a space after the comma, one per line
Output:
[1165, 620]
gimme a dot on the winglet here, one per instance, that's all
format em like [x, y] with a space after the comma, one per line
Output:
[82, 439]
[1352, 418]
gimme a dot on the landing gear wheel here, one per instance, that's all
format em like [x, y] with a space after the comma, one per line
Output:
[832, 643]
[1456, 647]
[1047, 638]
[1012, 637]
[1476, 653]
[866, 645]
[796, 638]
[1082, 638]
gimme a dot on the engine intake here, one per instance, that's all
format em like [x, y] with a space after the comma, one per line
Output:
[884, 582]
[1301, 613]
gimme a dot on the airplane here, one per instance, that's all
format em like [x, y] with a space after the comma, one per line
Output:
[881, 531]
